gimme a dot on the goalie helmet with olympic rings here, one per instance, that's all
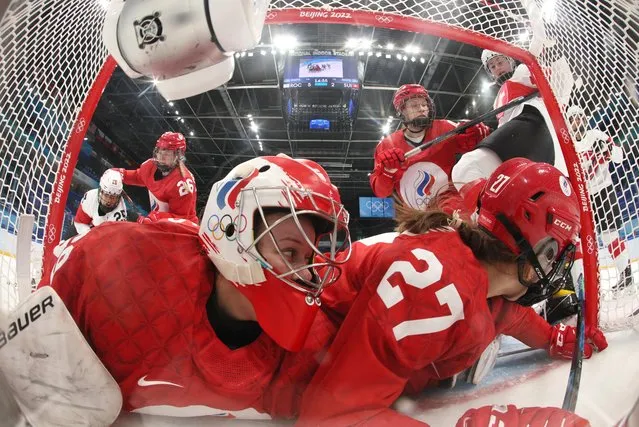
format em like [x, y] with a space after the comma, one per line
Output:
[285, 302]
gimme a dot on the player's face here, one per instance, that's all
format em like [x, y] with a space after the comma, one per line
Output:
[109, 200]
[166, 157]
[415, 107]
[499, 65]
[287, 249]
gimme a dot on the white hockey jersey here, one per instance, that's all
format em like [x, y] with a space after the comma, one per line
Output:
[88, 214]
[596, 150]
[521, 84]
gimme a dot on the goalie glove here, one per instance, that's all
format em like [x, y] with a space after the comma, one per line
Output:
[563, 340]
[511, 416]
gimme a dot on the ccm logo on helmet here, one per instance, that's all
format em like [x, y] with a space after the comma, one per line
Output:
[559, 223]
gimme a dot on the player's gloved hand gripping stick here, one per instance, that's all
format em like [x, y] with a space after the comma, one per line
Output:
[461, 129]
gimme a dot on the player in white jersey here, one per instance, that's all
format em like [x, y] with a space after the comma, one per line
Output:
[101, 204]
[524, 131]
[596, 150]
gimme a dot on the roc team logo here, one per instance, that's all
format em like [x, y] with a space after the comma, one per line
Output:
[421, 182]
[228, 194]
[424, 184]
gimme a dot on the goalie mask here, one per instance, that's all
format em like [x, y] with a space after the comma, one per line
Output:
[532, 208]
[110, 190]
[412, 116]
[499, 66]
[169, 151]
[285, 302]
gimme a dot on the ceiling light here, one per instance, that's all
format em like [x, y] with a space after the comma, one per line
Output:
[177, 112]
[485, 86]
[352, 43]
[370, 53]
[365, 43]
[254, 127]
[398, 56]
[191, 133]
[170, 104]
[250, 54]
[422, 60]
[273, 51]
[262, 52]
[285, 41]
[386, 128]
[474, 103]
[404, 57]
[390, 46]
[412, 58]
[182, 120]
[411, 49]
[261, 147]
[249, 115]
[237, 54]
[257, 136]
[466, 112]
[378, 54]
[388, 56]
[179, 118]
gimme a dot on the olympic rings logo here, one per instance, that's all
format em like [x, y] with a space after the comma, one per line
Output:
[590, 244]
[384, 19]
[219, 226]
[81, 124]
[271, 15]
[51, 234]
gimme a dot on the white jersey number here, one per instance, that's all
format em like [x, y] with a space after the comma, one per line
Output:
[185, 187]
[446, 296]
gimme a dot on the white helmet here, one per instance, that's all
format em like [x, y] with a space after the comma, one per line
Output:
[574, 110]
[487, 55]
[285, 303]
[111, 183]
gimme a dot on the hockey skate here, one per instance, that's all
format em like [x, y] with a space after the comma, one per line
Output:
[625, 280]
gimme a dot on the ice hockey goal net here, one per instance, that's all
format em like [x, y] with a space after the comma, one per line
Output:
[53, 67]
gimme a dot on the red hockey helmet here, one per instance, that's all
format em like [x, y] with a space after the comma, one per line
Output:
[532, 208]
[410, 91]
[285, 302]
[171, 141]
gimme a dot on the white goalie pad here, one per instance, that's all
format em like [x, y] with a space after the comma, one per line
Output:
[185, 46]
[55, 377]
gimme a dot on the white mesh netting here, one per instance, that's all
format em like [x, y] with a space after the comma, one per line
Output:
[51, 52]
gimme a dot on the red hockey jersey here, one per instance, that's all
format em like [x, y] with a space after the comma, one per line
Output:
[422, 175]
[172, 196]
[138, 294]
[416, 312]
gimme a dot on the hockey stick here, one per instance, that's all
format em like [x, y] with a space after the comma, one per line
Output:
[570, 398]
[128, 199]
[466, 125]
